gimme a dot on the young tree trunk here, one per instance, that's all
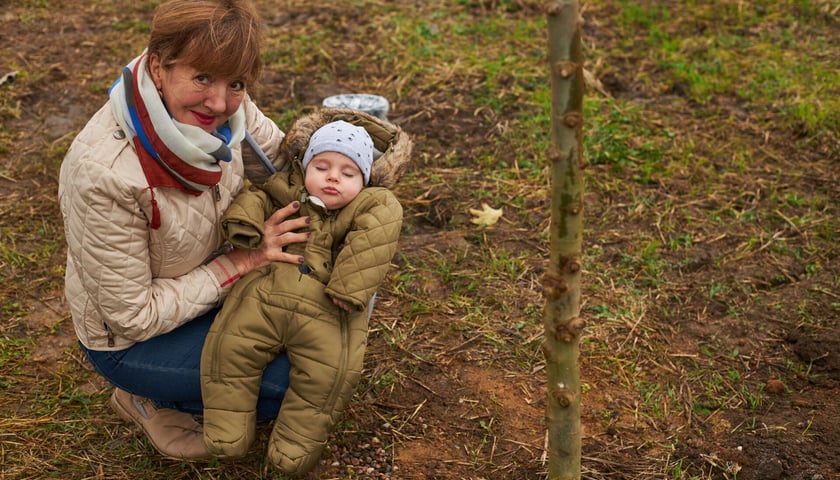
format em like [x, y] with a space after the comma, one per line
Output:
[562, 278]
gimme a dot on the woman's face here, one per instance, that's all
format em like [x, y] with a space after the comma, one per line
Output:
[194, 97]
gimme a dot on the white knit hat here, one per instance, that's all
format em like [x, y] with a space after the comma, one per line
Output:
[344, 138]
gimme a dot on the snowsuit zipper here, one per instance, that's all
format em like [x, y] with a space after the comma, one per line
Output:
[343, 323]
[341, 375]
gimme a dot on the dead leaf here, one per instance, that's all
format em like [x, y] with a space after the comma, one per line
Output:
[593, 82]
[9, 77]
[487, 216]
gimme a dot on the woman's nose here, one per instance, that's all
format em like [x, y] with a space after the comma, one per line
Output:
[216, 99]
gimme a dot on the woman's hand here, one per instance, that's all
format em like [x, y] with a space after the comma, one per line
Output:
[278, 232]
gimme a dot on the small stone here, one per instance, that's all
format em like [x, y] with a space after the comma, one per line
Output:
[769, 467]
[776, 386]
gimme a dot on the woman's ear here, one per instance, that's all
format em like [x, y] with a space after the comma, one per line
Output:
[155, 70]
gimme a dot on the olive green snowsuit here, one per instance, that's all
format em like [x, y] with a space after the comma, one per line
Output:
[288, 307]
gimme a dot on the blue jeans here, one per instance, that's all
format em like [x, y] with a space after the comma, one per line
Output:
[166, 370]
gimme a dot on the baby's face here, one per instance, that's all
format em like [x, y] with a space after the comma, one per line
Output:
[334, 178]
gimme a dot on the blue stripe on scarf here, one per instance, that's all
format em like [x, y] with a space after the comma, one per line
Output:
[224, 134]
[128, 83]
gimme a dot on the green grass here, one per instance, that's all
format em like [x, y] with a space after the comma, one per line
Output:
[750, 52]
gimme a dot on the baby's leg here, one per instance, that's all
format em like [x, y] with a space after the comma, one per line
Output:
[326, 356]
[238, 347]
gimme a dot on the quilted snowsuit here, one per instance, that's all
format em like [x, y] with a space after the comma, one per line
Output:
[288, 307]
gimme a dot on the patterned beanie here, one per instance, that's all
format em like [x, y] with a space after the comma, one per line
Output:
[344, 138]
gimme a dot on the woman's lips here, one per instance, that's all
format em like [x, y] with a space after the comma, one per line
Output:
[204, 119]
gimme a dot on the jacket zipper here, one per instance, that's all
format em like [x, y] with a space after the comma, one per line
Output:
[110, 335]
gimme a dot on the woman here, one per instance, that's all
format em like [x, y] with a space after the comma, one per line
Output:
[141, 191]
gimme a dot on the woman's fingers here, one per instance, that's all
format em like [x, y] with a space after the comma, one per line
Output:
[277, 223]
[280, 256]
[280, 231]
[282, 214]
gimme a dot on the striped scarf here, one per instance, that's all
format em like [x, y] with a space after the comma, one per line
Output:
[172, 154]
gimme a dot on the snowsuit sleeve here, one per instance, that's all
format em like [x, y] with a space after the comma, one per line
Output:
[242, 223]
[375, 219]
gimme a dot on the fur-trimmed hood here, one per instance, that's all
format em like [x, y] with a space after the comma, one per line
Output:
[392, 145]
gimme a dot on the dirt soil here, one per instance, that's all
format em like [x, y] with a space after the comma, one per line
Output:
[458, 402]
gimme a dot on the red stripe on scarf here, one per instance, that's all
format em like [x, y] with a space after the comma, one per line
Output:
[156, 176]
[159, 175]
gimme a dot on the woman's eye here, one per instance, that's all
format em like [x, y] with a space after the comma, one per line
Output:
[202, 78]
[237, 86]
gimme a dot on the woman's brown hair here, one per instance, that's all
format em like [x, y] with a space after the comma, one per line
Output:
[218, 37]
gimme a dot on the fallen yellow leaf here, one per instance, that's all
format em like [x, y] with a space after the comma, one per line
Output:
[486, 216]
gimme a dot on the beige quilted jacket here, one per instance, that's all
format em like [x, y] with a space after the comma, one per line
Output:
[126, 282]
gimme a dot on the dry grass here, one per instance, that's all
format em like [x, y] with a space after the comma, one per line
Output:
[711, 244]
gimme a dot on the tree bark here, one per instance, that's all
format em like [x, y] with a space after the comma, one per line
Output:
[561, 282]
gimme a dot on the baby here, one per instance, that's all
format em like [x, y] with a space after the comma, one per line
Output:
[317, 312]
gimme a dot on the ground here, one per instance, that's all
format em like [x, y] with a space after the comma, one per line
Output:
[721, 362]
